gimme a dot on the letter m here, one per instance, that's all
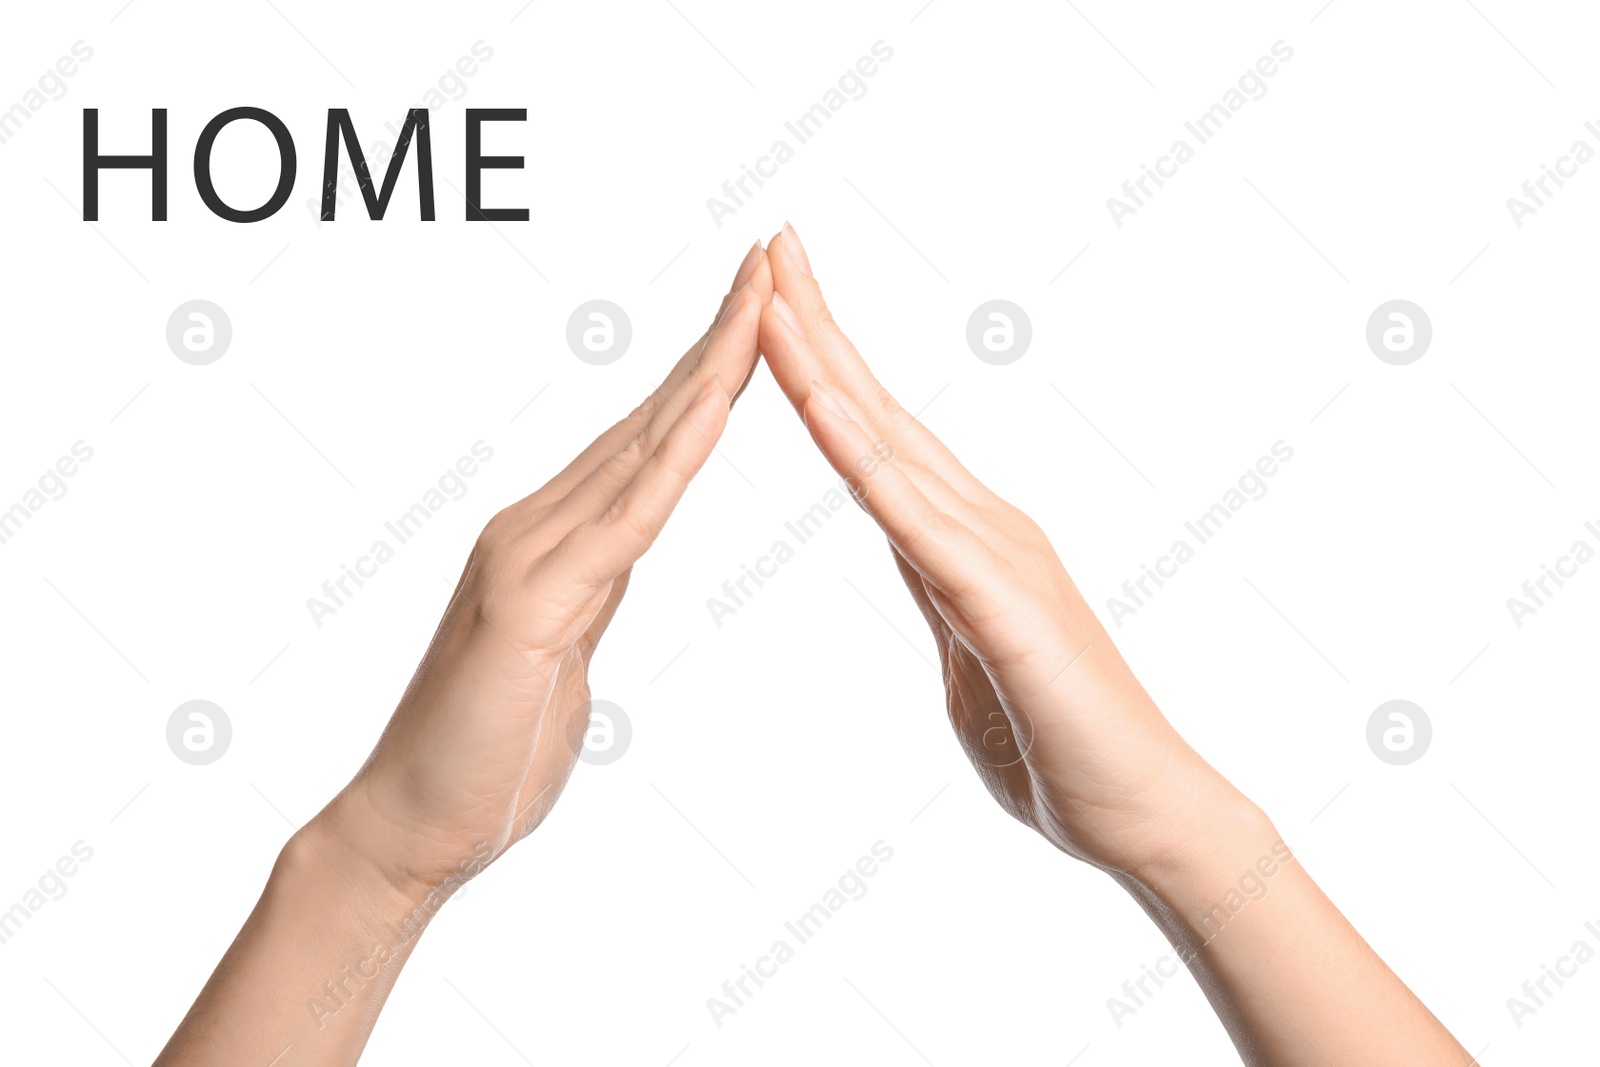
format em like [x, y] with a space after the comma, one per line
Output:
[809, 924]
[11, 522]
[413, 520]
[377, 202]
[9, 924]
[1219, 915]
[809, 123]
[812, 520]
[1209, 523]
[9, 124]
[1211, 122]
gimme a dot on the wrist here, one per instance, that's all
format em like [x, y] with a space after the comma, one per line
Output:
[1229, 856]
[327, 857]
[412, 870]
[351, 836]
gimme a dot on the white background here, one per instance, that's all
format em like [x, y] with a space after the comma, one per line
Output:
[1228, 314]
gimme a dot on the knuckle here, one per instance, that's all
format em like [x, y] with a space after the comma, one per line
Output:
[646, 409]
[932, 524]
[889, 408]
[620, 465]
[633, 453]
[935, 527]
[499, 530]
[631, 523]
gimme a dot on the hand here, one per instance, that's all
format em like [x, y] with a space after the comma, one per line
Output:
[1057, 726]
[485, 736]
[487, 733]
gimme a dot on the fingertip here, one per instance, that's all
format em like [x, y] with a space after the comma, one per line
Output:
[774, 337]
[785, 314]
[760, 280]
[747, 266]
[794, 280]
[736, 300]
[779, 251]
[796, 249]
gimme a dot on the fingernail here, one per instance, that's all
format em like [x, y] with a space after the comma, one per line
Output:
[747, 266]
[826, 401]
[786, 313]
[798, 250]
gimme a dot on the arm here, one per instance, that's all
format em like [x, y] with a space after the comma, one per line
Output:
[484, 738]
[1067, 740]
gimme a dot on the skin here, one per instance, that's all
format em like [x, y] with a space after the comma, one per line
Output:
[1055, 723]
[483, 739]
[1068, 741]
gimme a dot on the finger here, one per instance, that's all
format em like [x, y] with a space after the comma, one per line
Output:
[836, 361]
[597, 551]
[753, 259]
[729, 352]
[753, 271]
[728, 356]
[602, 619]
[940, 547]
[747, 266]
[828, 357]
[760, 282]
[919, 593]
[787, 350]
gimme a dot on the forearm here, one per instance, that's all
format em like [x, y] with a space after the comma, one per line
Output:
[1290, 978]
[305, 979]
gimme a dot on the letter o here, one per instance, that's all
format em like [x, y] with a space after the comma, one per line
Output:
[287, 164]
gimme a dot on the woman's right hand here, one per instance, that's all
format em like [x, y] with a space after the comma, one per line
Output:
[1068, 741]
[1054, 721]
